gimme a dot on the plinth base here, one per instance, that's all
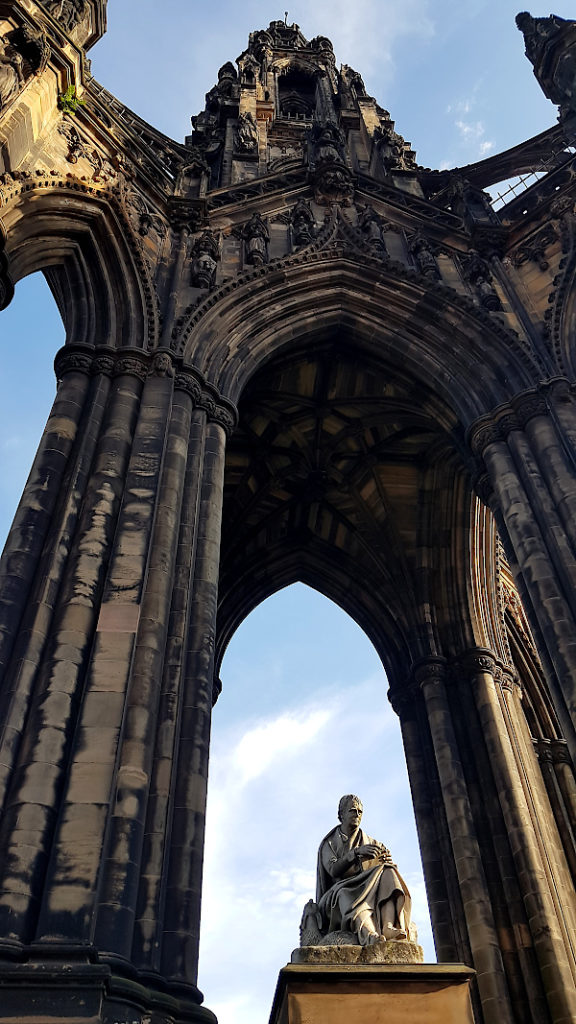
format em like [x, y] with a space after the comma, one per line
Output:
[73, 993]
[399, 994]
[388, 951]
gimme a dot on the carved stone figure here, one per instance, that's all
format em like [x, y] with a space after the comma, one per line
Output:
[359, 890]
[246, 134]
[424, 255]
[68, 12]
[302, 221]
[371, 225]
[329, 144]
[395, 153]
[477, 272]
[11, 74]
[162, 365]
[205, 256]
[256, 240]
[333, 184]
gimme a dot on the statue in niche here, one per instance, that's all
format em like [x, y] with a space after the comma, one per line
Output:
[68, 12]
[372, 226]
[11, 74]
[256, 240]
[361, 899]
[477, 272]
[205, 256]
[328, 144]
[246, 134]
[424, 256]
[24, 53]
[303, 225]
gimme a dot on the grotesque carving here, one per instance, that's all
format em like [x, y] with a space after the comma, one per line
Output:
[302, 222]
[68, 12]
[205, 256]
[372, 226]
[246, 134]
[333, 184]
[256, 240]
[162, 365]
[477, 272]
[423, 254]
[361, 898]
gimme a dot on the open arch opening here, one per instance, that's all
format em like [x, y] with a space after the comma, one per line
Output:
[303, 718]
[31, 332]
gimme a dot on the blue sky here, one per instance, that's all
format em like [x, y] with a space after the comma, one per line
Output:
[303, 716]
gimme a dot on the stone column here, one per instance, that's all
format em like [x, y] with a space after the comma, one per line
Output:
[564, 768]
[33, 802]
[555, 796]
[547, 583]
[551, 943]
[147, 946]
[30, 637]
[451, 945]
[481, 928]
[183, 893]
[33, 518]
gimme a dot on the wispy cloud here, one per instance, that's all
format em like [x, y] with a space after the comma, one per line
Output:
[471, 142]
[365, 34]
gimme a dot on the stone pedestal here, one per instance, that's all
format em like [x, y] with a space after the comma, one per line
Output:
[69, 992]
[395, 994]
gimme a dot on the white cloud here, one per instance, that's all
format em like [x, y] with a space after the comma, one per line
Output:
[267, 741]
[365, 33]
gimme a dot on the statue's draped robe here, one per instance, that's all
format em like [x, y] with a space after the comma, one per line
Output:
[342, 900]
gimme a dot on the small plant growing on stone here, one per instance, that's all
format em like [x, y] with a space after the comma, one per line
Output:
[69, 101]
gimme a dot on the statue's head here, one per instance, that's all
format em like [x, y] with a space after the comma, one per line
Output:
[348, 801]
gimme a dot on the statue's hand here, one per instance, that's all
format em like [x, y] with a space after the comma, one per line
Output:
[369, 850]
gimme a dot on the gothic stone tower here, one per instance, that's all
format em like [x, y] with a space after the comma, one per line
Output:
[292, 353]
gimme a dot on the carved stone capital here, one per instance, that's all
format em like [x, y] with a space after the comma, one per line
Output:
[507, 679]
[507, 422]
[191, 385]
[225, 417]
[403, 698]
[560, 752]
[478, 660]
[103, 364]
[70, 360]
[482, 434]
[207, 403]
[484, 488]
[543, 751]
[429, 671]
[134, 366]
[529, 405]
